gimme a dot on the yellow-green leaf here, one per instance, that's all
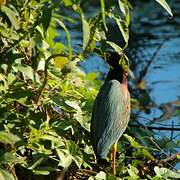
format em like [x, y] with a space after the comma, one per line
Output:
[60, 61]
[12, 16]
[86, 31]
[165, 5]
[8, 138]
[117, 48]
[103, 13]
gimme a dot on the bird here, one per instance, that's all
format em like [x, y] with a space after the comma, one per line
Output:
[111, 109]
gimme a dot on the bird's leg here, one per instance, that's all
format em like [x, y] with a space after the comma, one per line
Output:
[114, 149]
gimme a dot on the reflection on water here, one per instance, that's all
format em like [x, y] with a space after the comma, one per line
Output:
[163, 73]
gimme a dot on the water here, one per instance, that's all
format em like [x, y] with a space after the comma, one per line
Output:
[158, 42]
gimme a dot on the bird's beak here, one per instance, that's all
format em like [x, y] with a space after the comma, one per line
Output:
[131, 74]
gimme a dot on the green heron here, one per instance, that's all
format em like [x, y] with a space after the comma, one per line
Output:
[111, 111]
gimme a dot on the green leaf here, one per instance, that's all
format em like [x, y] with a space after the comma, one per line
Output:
[5, 175]
[71, 153]
[6, 157]
[67, 35]
[165, 5]
[41, 172]
[67, 2]
[46, 18]
[166, 173]
[65, 159]
[123, 28]
[60, 61]
[147, 154]
[103, 13]
[27, 71]
[117, 48]
[92, 76]
[12, 17]
[133, 172]
[74, 105]
[86, 31]
[8, 138]
[75, 153]
[133, 142]
[11, 77]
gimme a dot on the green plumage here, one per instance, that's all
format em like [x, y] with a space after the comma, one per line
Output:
[110, 116]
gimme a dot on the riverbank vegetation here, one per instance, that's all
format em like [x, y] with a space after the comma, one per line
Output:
[46, 98]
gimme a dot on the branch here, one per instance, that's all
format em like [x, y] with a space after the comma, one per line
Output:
[46, 74]
[144, 72]
[156, 128]
[170, 158]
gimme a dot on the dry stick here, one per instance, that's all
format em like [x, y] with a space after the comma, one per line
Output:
[170, 158]
[150, 120]
[88, 171]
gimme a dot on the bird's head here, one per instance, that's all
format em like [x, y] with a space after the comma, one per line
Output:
[119, 63]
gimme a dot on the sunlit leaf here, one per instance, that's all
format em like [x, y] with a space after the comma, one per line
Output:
[133, 142]
[60, 61]
[165, 5]
[178, 156]
[100, 176]
[72, 153]
[117, 48]
[73, 104]
[86, 31]
[67, 35]
[103, 13]
[41, 172]
[147, 154]
[5, 175]
[67, 2]
[27, 71]
[65, 159]
[122, 7]
[8, 138]
[92, 75]
[166, 173]
[133, 172]
[12, 17]
[123, 28]
[6, 157]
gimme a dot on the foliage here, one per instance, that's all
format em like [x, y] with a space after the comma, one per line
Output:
[46, 99]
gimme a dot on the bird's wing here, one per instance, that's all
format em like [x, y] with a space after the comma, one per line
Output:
[110, 117]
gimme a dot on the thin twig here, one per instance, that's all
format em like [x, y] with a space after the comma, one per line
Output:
[144, 72]
[157, 128]
[152, 121]
[46, 74]
[87, 171]
[170, 158]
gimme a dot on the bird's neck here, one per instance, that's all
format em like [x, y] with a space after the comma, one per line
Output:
[118, 75]
[125, 80]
